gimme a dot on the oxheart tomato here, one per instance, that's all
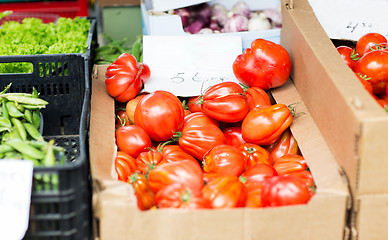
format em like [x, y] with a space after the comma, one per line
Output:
[224, 159]
[173, 153]
[225, 192]
[284, 190]
[287, 144]
[225, 102]
[264, 125]
[199, 135]
[254, 154]
[178, 195]
[233, 136]
[290, 163]
[125, 165]
[365, 83]
[374, 65]
[121, 119]
[132, 140]
[265, 65]
[148, 160]
[125, 77]
[307, 178]
[257, 97]
[144, 194]
[367, 41]
[194, 104]
[348, 54]
[186, 172]
[160, 114]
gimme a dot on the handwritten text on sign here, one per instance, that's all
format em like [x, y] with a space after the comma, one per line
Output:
[188, 65]
[351, 19]
[15, 195]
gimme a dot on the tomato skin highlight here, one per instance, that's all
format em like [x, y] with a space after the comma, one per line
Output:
[224, 159]
[265, 65]
[160, 108]
[233, 136]
[257, 97]
[265, 125]
[132, 140]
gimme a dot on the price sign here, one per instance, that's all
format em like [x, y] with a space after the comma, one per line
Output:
[351, 19]
[187, 65]
[15, 195]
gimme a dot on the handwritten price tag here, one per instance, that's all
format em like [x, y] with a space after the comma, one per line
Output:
[15, 195]
[351, 19]
[187, 65]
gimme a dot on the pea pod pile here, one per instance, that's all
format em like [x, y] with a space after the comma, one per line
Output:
[19, 129]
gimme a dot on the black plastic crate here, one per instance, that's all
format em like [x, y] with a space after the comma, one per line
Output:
[60, 80]
[61, 195]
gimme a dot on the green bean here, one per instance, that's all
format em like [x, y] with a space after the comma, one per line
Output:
[4, 108]
[36, 119]
[49, 159]
[25, 148]
[20, 128]
[27, 100]
[136, 48]
[28, 115]
[13, 111]
[32, 131]
[6, 88]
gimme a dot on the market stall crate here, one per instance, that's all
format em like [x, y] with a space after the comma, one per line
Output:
[351, 121]
[116, 215]
[156, 21]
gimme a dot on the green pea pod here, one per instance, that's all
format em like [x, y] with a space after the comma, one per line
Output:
[13, 155]
[5, 148]
[28, 115]
[5, 122]
[9, 85]
[4, 108]
[27, 100]
[49, 159]
[43, 145]
[3, 129]
[19, 107]
[14, 134]
[35, 93]
[5, 137]
[32, 131]
[36, 119]
[20, 128]
[26, 149]
[33, 107]
[136, 49]
[13, 111]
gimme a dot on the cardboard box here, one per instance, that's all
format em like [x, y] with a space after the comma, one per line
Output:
[116, 215]
[353, 124]
[156, 22]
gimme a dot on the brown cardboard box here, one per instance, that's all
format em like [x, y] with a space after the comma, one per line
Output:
[116, 215]
[353, 124]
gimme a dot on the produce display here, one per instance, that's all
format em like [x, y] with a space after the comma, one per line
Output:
[229, 147]
[33, 37]
[369, 61]
[205, 18]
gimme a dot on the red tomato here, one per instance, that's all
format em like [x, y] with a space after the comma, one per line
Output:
[144, 194]
[121, 119]
[224, 159]
[290, 163]
[257, 97]
[200, 136]
[173, 153]
[367, 41]
[265, 65]
[195, 104]
[348, 55]
[125, 165]
[307, 178]
[254, 154]
[381, 46]
[365, 83]
[125, 77]
[160, 114]
[199, 119]
[284, 190]
[287, 144]
[225, 102]
[148, 160]
[131, 106]
[225, 192]
[187, 172]
[265, 125]
[258, 174]
[180, 196]
[233, 136]
[132, 140]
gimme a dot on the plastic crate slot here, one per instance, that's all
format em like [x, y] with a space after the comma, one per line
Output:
[16, 67]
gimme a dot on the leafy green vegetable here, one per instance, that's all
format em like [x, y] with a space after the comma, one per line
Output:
[33, 37]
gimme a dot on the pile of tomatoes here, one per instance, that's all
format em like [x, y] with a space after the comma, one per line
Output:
[229, 147]
[369, 61]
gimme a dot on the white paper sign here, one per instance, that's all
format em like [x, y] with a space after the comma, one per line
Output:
[15, 195]
[351, 19]
[187, 65]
